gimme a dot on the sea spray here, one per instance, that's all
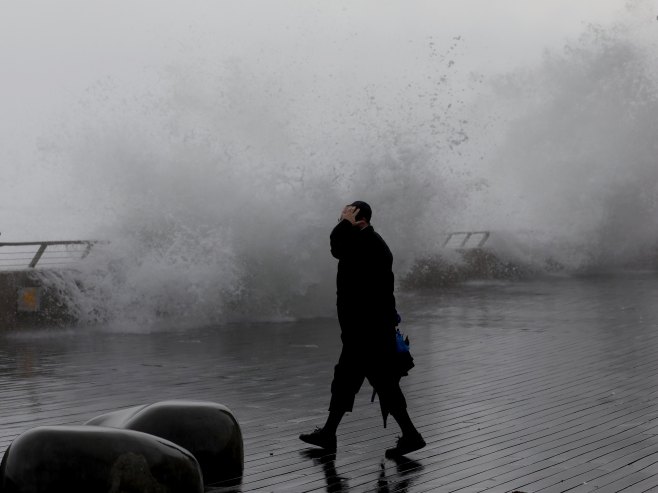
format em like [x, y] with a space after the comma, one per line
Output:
[217, 184]
[217, 194]
[575, 172]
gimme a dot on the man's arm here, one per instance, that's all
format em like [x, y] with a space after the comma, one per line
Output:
[341, 239]
[343, 234]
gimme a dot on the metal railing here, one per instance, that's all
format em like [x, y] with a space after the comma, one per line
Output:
[466, 239]
[23, 255]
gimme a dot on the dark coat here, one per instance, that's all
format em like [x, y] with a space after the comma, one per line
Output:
[367, 316]
[365, 280]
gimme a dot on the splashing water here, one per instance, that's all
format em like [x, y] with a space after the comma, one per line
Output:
[218, 190]
[576, 165]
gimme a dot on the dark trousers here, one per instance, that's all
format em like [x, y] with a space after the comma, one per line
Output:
[370, 354]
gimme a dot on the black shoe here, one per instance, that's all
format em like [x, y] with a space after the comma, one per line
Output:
[405, 444]
[320, 439]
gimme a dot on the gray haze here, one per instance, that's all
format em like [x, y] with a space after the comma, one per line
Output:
[214, 142]
[57, 57]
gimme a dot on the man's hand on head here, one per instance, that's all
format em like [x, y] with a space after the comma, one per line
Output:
[350, 212]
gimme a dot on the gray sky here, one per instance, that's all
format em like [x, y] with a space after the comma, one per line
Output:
[52, 51]
[53, 54]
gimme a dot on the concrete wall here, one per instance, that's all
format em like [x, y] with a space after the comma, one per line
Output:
[25, 302]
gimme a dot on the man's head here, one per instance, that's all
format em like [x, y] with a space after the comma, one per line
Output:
[365, 212]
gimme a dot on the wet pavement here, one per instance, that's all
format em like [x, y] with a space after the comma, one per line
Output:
[533, 386]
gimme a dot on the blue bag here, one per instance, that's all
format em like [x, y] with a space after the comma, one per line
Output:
[402, 344]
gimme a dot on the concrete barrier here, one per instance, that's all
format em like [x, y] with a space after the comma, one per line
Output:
[26, 302]
[84, 459]
[208, 430]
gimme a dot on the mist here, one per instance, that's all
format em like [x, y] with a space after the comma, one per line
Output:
[215, 146]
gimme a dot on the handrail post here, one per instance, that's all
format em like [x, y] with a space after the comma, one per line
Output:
[37, 256]
[87, 250]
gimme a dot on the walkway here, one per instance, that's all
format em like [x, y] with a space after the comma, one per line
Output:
[527, 387]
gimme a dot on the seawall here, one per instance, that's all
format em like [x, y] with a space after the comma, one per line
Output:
[26, 303]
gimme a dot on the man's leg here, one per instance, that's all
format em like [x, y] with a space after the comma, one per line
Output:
[333, 420]
[410, 441]
[404, 422]
[393, 399]
[348, 378]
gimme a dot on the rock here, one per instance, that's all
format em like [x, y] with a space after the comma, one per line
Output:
[85, 459]
[208, 430]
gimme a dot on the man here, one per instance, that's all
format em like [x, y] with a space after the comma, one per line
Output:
[367, 318]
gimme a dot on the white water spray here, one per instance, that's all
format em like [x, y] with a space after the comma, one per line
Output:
[218, 182]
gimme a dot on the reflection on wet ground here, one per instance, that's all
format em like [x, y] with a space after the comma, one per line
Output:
[405, 469]
[534, 386]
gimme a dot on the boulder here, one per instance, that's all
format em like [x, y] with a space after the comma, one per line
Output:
[85, 459]
[208, 430]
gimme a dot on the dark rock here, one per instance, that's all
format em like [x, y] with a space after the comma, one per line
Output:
[208, 430]
[84, 459]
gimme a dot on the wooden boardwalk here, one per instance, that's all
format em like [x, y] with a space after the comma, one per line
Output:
[532, 387]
